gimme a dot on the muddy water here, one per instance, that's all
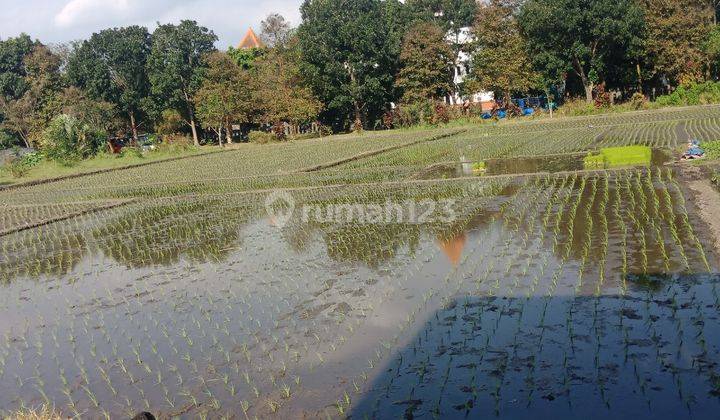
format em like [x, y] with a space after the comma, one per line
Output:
[562, 295]
[524, 165]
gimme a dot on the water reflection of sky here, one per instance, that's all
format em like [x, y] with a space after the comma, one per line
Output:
[214, 282]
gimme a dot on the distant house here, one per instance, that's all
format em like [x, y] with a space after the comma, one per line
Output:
[250, 41]
[461, 70]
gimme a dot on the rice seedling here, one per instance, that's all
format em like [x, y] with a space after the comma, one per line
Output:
[187, 297]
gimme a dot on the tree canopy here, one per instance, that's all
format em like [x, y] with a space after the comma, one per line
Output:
[111, 67]
[276, 31]
[500, 61]
[676, 33]
[12, 65]
[27, 115]
[348, 58]
[176, 65]
[282, 95]
[581, 36]
[426, 63]
[450, 15]
[225, 96]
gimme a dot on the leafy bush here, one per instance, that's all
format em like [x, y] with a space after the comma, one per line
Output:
[388, 120]
[693, 94]
[577, 107]
[171, 123]
[261, 137]
[6, 140]
[177, 140]
[68, 140]
[637, 101]
[20, 165]
[441, 114]
[427, 112]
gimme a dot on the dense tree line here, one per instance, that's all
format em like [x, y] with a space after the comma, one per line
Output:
[347, 63]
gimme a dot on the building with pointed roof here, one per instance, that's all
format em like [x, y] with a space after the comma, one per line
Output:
[250, 41]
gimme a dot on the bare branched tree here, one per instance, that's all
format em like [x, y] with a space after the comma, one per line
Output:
[275, 30]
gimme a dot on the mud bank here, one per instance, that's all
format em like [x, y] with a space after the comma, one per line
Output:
[707, 200]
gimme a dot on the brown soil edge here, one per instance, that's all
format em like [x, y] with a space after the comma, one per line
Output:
[376, 152]
[102, 171]
[107, 206]
[707, 201]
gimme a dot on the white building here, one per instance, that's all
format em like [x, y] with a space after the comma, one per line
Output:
[461, 70]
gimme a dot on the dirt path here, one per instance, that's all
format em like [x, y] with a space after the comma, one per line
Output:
[707, 199]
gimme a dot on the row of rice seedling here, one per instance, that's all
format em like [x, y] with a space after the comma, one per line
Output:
[138, 358]
[601, 196]
[657, 135]
[263, 166]
[601, 121]
[707, 129]
[191, 302]
[249, 160]
[481, 143]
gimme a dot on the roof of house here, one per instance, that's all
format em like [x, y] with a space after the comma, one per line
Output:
[250, 41]
[453, 248]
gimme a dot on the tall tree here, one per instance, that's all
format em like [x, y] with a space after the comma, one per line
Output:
[175, 67]
[500, 61]
[348, 58]
[28, 115]
[276, 30]
[581, 36]
[676, 32]
[451, 15]
[12, 65]
[711, 49]
[282, 95]
[225, 96]
[111, 67]
[426, 63]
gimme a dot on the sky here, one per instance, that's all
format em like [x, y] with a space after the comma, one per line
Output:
[58, 21]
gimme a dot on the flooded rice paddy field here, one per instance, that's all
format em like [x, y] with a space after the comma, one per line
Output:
[565, 293]
[538, 290]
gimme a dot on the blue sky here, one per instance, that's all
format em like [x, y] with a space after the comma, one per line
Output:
[57, 21]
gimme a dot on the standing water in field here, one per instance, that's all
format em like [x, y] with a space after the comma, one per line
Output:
[566, 295]
[646, 157]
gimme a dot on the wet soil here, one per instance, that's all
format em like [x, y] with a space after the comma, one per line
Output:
[707, 200]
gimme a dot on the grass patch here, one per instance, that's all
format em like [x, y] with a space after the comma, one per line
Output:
[596, 161]
[479, 168]
[712, 148]
[613, 157]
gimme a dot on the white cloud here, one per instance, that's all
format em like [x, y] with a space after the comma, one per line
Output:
[57, 21]
[88, 11]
